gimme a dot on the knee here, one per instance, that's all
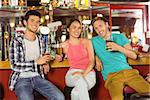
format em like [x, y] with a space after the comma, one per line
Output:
[58, 96]
[81, 82]
[74, 92]
[91, 85]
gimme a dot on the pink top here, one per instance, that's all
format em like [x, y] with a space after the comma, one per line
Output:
[77, 56]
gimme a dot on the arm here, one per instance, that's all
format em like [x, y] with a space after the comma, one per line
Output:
[99, 65]
[91, 57]
[127, 50]
[17, 56]
[64, 46]
[123, 47]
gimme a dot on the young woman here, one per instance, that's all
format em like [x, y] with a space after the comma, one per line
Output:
[80, 55]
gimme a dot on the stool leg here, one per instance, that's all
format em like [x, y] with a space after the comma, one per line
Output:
[67, 92]
[1, 92]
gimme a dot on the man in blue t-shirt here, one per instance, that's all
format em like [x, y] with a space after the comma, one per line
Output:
[111, 51]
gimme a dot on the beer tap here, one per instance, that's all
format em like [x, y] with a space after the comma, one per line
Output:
[53, 26]
[87, 30]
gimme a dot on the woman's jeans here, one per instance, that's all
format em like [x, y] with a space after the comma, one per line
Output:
[81, 84]
[25, 86]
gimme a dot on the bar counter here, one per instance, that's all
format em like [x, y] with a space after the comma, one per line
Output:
[59, 70]
[55, 64]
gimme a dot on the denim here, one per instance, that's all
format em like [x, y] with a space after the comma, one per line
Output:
[25, 86]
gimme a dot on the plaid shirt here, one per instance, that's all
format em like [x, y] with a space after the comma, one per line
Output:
[18, 62]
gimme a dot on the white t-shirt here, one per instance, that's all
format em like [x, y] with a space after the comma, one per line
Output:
[31, 53]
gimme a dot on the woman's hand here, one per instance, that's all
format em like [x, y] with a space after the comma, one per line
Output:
[59, 57]
[77, 73]
[99, 66]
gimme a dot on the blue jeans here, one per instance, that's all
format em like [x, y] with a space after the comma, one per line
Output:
[25, 86]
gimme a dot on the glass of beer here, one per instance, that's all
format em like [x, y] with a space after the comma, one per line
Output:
[107, 41]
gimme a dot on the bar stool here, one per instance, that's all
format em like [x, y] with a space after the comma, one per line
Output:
[67, 93]
[127, 92]
[140, 96]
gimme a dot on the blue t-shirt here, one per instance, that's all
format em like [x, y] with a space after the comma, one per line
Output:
[112, 61]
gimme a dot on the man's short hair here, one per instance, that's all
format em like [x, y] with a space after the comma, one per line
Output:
[99, 18]
[32, 12]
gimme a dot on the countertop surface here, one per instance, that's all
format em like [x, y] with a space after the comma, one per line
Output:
[54, 64]
[145, 60]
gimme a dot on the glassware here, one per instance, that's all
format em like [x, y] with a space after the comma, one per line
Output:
[110, 39]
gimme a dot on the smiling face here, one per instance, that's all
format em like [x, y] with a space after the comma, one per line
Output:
[32, 24]
[100, 27]
[75, 29]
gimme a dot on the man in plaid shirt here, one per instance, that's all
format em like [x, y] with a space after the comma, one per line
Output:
[28, 63]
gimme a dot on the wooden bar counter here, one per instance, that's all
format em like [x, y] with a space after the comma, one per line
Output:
[55, 64]
[58, 72]
[140, 61]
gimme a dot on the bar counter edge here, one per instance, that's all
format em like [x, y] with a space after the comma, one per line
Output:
[64, 63]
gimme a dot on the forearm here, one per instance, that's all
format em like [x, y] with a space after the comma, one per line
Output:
[88, 69]
[23, 66]
[90, 56]
[128, 52]
[19, 65]
[98, 62]
[17, 58]
[98, 65]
